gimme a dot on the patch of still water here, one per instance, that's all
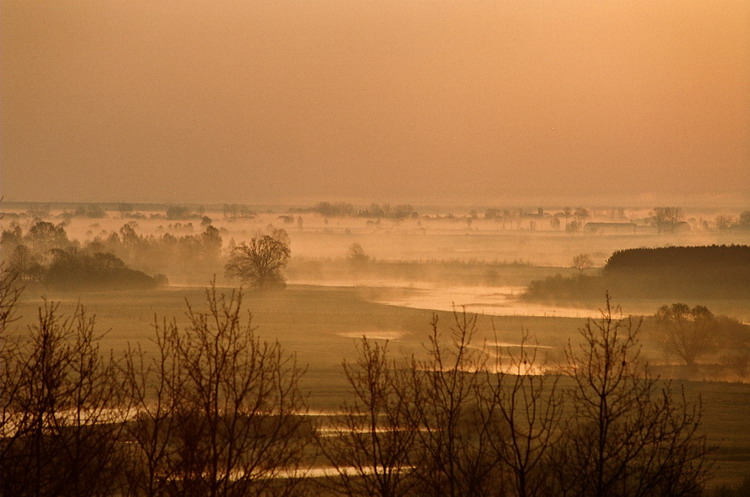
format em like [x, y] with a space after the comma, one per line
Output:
[491, 301]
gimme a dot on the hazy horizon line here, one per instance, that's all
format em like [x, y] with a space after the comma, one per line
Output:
[737, 199]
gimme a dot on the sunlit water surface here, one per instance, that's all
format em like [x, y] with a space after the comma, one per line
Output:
[487, 300]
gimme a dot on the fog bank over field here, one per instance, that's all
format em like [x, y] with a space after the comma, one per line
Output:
[495, 259]
[544, 235]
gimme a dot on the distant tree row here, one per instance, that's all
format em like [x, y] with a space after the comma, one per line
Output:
[44, 255]
[717, 271]
[668, 219]
[234, 211]
[93, 211]
[165, 253]
[45, 246]
[573, 218]
[665, 219]
[725, 222]
[126, 210]
[385, 211]
[729, 264]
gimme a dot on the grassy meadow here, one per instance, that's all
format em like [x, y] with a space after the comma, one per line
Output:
[320, 325]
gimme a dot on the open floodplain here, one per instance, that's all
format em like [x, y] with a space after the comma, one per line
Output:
[321, 325]
[351, 277]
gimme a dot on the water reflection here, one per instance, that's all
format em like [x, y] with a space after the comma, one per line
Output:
[491, 301]
[373, 335]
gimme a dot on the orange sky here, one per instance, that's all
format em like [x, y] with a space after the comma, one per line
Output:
[257, 101]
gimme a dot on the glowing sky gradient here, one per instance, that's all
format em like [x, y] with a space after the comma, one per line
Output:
[243, 101]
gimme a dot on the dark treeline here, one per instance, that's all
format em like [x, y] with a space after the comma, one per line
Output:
[213, 410]
[701, 262]
[43, 254]
[73, 270]
[717, 271]
[375, 210]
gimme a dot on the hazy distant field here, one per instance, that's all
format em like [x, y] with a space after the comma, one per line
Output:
[436, 237]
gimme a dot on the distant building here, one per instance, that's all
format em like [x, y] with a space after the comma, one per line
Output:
[679, 227]
[539, 214]
[605, 228]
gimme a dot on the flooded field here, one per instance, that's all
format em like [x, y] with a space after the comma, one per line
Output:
[489, 301]
[401, 277]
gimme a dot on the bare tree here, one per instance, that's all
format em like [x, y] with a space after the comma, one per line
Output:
[371, 446]
[10, 292]
[665, 217]
[582, 262]
[225, 418]
[723, 222]
[452, 423]
[12, 422]
[629, 434]
[68, 412]
[453, 453]
[526, 406]
[581, 214]
[155, 386]
[687, 333]
[259, 263]
[357, 256]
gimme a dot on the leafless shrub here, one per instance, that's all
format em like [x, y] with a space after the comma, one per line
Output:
[155, 387]
[65, 411]
[526, 406]
[687, 333]
[219, 409]
[370, 446]
[628, 434]
[582, 262]
[10, 418]
[453, 450]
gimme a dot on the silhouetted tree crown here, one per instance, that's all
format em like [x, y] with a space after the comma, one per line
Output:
[260, 262]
